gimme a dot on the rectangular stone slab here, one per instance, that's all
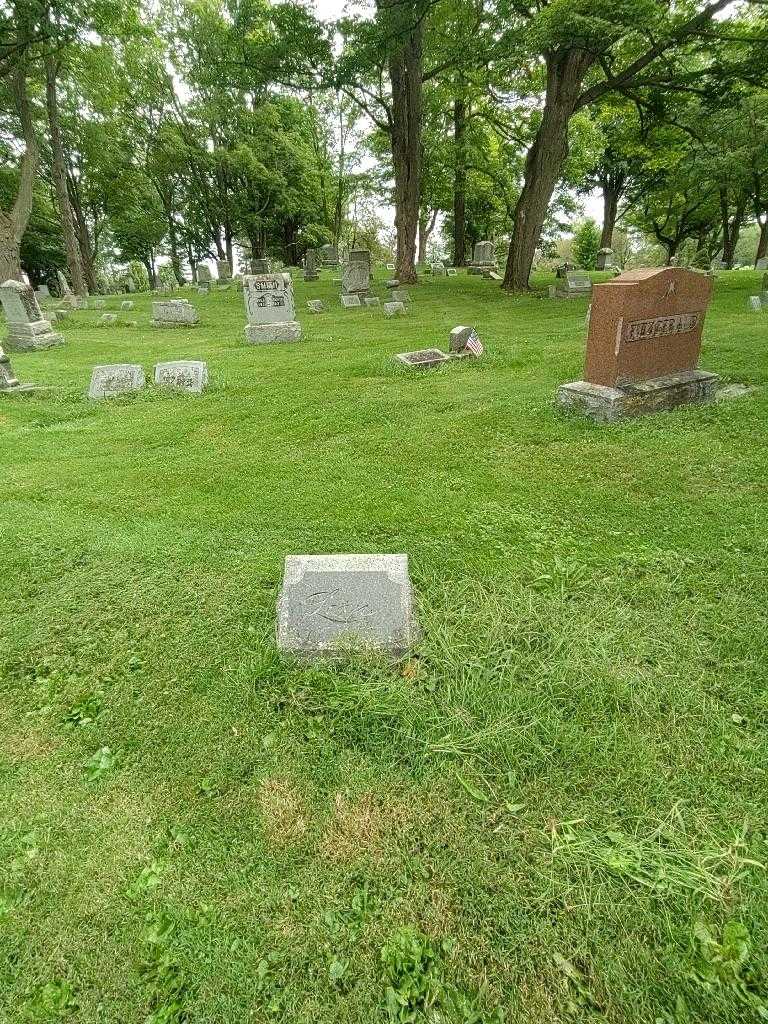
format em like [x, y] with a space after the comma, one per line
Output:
[423, 359]
[116, 379]
[336, 604]
[606, 404]
[182, 374]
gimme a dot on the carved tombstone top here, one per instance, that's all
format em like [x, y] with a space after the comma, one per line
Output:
[19, 303]
[646, 324]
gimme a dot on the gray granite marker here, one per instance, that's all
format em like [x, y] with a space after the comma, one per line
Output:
[116, 379]
[270, 308]
[182, 374]
[27, 330]
[334, 604]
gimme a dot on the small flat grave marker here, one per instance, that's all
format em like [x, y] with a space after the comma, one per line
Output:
[316, 306]
[99, 303]
[451, 271]
[423, 359]
[116, 379]
[126, 304]
[393, 309]
[755, 304]
[174, 313]
[335, 604]
[182, 374]
[108, 318]
[373, 300]
[350, 301]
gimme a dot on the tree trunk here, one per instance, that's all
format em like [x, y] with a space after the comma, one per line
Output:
[426, 227]
[762, 243]
[404, 26]
[544, 162]
[173, 244]
[459, 184]
[83, 236]
[14, 223]
[612, 189]
[59, 175]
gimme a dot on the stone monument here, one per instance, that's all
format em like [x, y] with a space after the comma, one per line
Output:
[174, 313]
[182, 374]
[484, 258]
[310, 265]
[329, 255]
[356, 273]
[315, 305]
[224, 270]
[27, 330]
[335, 604]
[394, 308]
[643, 346]
[269, 306]
[9, 382]
[116, 379]
[260, 266]
[204, 275]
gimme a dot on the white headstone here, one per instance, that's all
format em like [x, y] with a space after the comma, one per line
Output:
[27, 330]
[117, 379]
[174, 313]
[393, 308]
[755, 304]
[270, 308]
[334, 604]
[126, 304]
[349, 301]
[182, 374]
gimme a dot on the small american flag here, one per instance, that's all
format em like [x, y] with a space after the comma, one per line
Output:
[474, 345]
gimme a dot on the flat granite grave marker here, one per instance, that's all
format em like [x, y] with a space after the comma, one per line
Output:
[400, 296]
[108, 318]
[174, 313]
[451, 271]
[372, 300]
[99, 303]
[269, 306]
[350, 301]
[126, 304]
[27, 330]
[182, 374]
[423, 359]
[316, 305]
[643, 346]
[116, 379]
[390, 266]
[335, 604]
[394, 309]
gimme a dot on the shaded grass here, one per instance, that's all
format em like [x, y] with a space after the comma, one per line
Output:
[566, 779]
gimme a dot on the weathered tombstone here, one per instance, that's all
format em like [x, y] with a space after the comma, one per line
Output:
[27, 330]
[224, 270]
[260, 266]
[755, 304]
[316, 306]
[99, 303]
[394, 308]
[174, 313]
[372, 300]
[493, 276]
[643, 346]
[64, 288]
[577, 284]
[605, 259]
[451, 271]
[484, 258]
[464, 341]
[393, 283]
[424, 359]
[329, 255]
[182, 374]
[130, 285]
[349, 301]
[108, 318]
[355, 277]
[762, 263]
[334, 604]
[202, 289]
[269, 306]
[9, 382]
[116, 379]
[310, 265]
[126, 304]
[438, 270]
[401, 296]
[42, 292]
[204, 275]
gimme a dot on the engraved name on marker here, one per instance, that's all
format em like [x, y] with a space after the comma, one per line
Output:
[662, 326]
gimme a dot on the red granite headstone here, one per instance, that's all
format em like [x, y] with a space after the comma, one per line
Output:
[646, 324]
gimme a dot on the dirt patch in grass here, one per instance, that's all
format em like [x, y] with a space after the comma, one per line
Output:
[26, 745]
[362, 826]
[283, 811]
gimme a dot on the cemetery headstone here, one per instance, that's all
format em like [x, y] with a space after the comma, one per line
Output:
[762, 263]
[577, 284]
[755, 303]
[130, 285]
[116, 379]
[643, 346]
[329, 255]
[372, 300]
[224, 270]
[451, 271]
[484, 258]
[126, 304]
[438, 270]
[27, 330]
[260, 266]
[334, 604]
[316, 306]
[108, 318]
[99, 303]
[464, 341]
[390, 266]
[203, 289]
[423, 359]
[9, 382]
[393, 283]
[401, 296]
[174, 313]
[269, 306]
[64, 288]
[42, 292]
[310, 265]
[605, 259]
[204, 275]
[394, 308]
[182, 374]
[350, 301]
[355, 277]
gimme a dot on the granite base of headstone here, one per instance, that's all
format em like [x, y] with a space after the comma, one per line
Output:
[335, 605]
[116, 379]
[182, 374]
[174, 313]
[28, 331]
[643, 346]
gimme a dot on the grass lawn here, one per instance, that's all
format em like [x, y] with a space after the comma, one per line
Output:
[557, 811]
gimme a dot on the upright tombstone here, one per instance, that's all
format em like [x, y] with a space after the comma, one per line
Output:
[330, 605]
[224, 270]
[270, 308]
[356, 273]
[116, 379]
[329, 255]
[64, 288]
[605, 259]
[394, 309]
[182, 374]
[464, 341]
[762, 263]
[484, 258]
[42, 292]
[260, 266]
[174, 313]
[643, 346]
[126, 304]
[310, 265]
[755, 303]
[9, 382]
[204, 275]
[27, 330]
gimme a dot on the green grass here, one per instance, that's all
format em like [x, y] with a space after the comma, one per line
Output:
[556, 812]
